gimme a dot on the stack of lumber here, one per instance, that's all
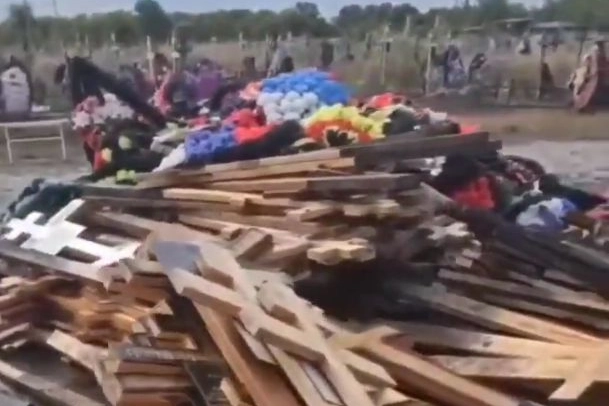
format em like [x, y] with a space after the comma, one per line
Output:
[327, 206]
[186, 290]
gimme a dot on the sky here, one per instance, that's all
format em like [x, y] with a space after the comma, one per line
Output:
[327, 7]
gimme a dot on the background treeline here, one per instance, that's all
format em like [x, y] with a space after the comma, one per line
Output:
[148, 18]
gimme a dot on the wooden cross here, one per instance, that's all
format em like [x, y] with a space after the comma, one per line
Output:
[150, 59]
[115, 48]
[59, 233]
[588, 369]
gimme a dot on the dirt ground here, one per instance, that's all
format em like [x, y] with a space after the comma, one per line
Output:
[571, 145]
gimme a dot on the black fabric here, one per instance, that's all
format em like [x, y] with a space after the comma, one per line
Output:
[87, 80]
[400, 122]
[44, 196]
[550, 185]
[89, 153]
[524, 203]
[457, 172]
[287, 65]
[273, 143]
[215, 102]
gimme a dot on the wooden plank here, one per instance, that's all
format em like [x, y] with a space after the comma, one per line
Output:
[363, 183]
[263, 382]
[409, 140]
[334, 252]
[118, 192]
[127, 223]
[44, 389]
[134, 353]
[422, 375]
[314, 156]
[311, 390]
[206, 293]
[210, 196]
[229, 388]
[84, 354]
[423, 148]
[117, 366]
[50, 263]
[498, 318]
[219, 265]
[572, 317]
[279, 334]
[349, 389]
[115, 203]
[517, 370]
[313, 211]
[481, 343]
[263, 221]
[583, 376]
[251, 244]
[518, 290]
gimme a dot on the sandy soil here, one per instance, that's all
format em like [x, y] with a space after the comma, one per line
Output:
[573, 146]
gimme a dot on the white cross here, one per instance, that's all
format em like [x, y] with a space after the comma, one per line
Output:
[59, 233]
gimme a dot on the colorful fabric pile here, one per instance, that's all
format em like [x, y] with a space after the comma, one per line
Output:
[342, 125]
[248, 120]
[297, 95]
[514, 187]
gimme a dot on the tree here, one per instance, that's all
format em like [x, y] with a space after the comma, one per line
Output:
[21, 28]
[153, 20]
[307, 9]
[22, 22]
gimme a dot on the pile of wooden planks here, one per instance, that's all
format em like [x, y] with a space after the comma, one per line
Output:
[183, 291]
